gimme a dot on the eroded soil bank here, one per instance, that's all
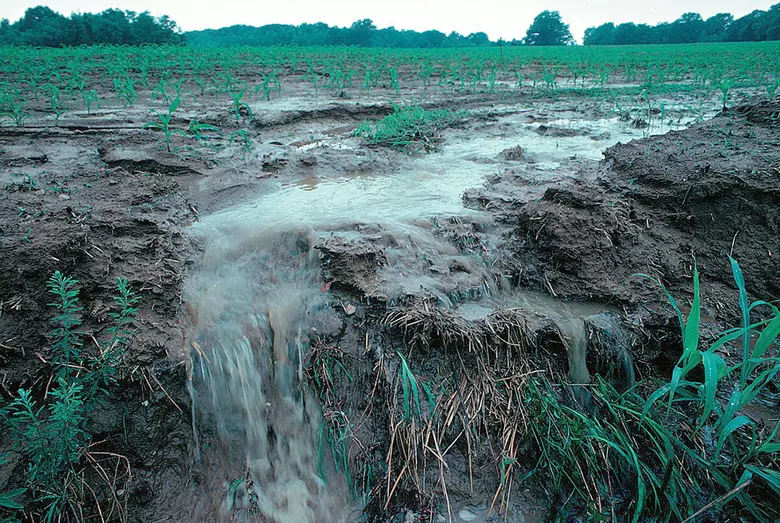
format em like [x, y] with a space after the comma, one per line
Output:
[653, 206]
[351, 288]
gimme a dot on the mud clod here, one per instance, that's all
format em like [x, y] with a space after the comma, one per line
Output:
[148, 161]
[513, 154]
[555, 131]
[352, 264]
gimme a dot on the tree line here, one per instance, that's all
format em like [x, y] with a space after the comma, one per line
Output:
[42, 27]
[691, 28]
[362, 33]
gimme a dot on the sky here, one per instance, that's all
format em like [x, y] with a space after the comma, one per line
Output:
[506, 19]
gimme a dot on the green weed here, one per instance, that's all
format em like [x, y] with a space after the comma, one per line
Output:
[412, 129]
[8, 499]
[676, 466]
[52, 433]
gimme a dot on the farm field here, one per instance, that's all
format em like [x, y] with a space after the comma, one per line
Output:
[392, 285]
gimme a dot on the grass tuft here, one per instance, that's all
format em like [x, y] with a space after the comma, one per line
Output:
[411, 129]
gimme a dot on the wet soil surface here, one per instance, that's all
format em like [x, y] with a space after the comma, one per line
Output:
[653, 207]
[98, 198]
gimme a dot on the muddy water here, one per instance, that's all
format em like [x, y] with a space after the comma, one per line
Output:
[568, 317]
[258, 301]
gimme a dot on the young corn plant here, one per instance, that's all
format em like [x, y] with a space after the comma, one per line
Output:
[197, 129]
[163, 124]
[14, 108]
[55, 101]
[124, 87]
[411, 392]
[772, 87]
[393, 72]
[242, 139]
[338, 78]
[426, 73]
[90, 98]
[756, 368]
[161, 90]
[237, 96]
[725, 85]
[270, 84]
[369, 80]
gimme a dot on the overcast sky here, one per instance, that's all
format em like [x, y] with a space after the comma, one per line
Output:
[506, 19]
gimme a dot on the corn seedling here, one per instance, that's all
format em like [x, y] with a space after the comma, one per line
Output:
[55, 101]
[426, 73]
[125, 90]
[163, 124]
[411, 392]
[339, 79]
[242, 138]
[90, 98]
[394, 84]
[197, 129]
[772, 87]
[160, 90]
[369, 80]
[725, 85]
[314, 78]
[16, 110]
[237, 96]
[270, 84]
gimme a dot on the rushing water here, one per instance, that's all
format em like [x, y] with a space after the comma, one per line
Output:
[257, 303]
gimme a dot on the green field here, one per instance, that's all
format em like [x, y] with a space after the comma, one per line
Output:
[85, 77]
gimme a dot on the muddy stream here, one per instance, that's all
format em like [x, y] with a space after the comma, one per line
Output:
[258, 296]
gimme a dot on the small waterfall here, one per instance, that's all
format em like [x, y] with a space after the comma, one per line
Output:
[576, 340]
[255, 299]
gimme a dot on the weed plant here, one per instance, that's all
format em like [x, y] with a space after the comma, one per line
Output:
[50, 427]
[411, 129]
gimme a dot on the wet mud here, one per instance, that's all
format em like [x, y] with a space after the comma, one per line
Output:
[654, 206]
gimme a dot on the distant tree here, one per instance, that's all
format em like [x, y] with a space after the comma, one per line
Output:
[455, 39]
[690, 27]
[773, 29]
[745, 29]
[686, 30]
[7, 33]
[716, 27]
[601, 35]
[40, 26]
[432, 39]
[548, 29]
[478, 39]
[360, 32]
